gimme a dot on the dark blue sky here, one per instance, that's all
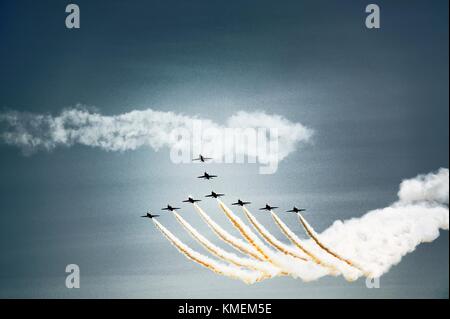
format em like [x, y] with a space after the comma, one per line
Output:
[377, 100]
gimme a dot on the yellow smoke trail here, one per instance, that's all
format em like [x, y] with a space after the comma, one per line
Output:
[225, 270]
[244, 230]
[265, 267]
[269, 238]
[228, 238]
[297, 242]
[290, 263]
[285, 258]
[311, 233]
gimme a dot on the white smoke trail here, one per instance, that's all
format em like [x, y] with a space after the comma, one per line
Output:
[294, 266]
[147, 128]
[298, 243]
[247, 276]
[270, 239]
[265, 267]
[248, 235]
[315, 237]
[369, 245]
[335, 266]
[379, 239]
[234, 242]
[431, 188]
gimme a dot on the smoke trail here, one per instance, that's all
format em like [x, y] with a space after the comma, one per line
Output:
[246, 276]
[379, 239]
[376, 241]
[251, 238]
[314, 236]
[292, 265]
[228, 238]
[155, 129]
[270, 239]
[265, 267]
[297, 242]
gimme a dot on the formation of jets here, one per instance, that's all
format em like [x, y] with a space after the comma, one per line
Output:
[213, 194]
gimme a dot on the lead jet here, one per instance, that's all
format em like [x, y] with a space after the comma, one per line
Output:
[191, 200]
[215, 195]
[268, 207]
[148, 215]
[201, 158]
[296, 210]
[170, 208]
[241, 203]
[207, 176]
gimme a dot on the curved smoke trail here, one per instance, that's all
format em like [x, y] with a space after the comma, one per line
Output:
[311, 233]
[376, 241]
[297, 242]
[228, 238]
[270, 239]
[247, 276]
[251, 238]
[296, 267]
[380, 238]
[265, 267]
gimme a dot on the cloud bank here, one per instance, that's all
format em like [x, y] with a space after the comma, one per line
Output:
[156, 129]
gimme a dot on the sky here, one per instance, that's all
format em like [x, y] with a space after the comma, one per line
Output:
[377, 101]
